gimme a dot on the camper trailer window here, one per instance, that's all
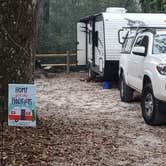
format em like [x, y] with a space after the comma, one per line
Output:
[159, 46]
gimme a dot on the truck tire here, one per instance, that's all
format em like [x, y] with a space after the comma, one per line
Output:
[126, 93]
[152, 109]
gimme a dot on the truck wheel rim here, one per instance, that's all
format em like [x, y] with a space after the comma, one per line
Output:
[149, 104]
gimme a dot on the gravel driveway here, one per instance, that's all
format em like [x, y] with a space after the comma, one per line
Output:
[105, 131]
[80, 124]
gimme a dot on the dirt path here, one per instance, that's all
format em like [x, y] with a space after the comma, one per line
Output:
[83, 125]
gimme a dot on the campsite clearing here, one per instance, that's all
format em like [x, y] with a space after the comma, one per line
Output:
[82, 124]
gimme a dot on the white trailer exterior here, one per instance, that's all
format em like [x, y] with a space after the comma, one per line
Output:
[97, 39]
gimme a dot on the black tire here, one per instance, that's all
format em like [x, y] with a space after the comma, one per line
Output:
[152, 109]
[126, 93]
[91, 74]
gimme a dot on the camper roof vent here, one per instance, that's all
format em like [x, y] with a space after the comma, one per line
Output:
[115, 10]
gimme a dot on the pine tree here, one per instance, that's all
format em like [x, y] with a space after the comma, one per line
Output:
[153, 5]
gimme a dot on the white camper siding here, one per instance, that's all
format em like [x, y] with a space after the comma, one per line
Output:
[113, 48]
[81, 44]
[89, 43]
[99, 51]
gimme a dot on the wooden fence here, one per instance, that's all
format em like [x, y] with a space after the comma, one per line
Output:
[67, 64]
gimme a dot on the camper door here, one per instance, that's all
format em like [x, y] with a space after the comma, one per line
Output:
[81, 43]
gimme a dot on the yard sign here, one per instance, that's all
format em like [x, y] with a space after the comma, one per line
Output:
[22, 105]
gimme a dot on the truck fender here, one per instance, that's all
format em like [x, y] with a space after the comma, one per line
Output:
[148, 74]
[122, 70]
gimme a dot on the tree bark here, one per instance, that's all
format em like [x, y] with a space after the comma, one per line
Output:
[18, 29]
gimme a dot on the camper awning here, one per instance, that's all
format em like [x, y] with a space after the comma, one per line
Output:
[89, 18]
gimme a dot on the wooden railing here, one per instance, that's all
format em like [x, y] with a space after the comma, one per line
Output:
[67, 64]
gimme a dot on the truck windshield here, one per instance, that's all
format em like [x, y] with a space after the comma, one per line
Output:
[159, 46]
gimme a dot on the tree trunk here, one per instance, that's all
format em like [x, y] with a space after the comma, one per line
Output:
[18, 21]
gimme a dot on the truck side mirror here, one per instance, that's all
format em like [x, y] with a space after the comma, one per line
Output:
[122, 36]
[140, 50]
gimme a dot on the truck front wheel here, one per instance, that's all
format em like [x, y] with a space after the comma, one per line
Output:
[126, 93]
[152, 108]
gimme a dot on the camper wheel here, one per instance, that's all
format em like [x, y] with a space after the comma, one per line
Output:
[126, 93]
[91, 74]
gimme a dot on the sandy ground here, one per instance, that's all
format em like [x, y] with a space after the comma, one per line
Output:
[80, 124]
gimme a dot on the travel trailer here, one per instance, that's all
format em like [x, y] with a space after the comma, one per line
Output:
[98, 44]
[17, 114]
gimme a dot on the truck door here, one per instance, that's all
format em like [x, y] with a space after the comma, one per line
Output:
[81, 43]
[133, 63]
[140, 63]
[136, 63]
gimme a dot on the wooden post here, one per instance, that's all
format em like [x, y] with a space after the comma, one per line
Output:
[68, 62]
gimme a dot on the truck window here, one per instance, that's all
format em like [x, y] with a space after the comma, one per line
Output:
[159, 46]
[142, 41]
[138, 42]
[128, 45]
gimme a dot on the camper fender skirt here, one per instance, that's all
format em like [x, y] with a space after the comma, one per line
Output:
[95, 69]
[111, 71]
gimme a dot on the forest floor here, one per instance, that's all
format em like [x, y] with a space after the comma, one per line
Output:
[80, 124]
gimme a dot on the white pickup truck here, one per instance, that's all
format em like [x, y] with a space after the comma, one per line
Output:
[143, 69]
